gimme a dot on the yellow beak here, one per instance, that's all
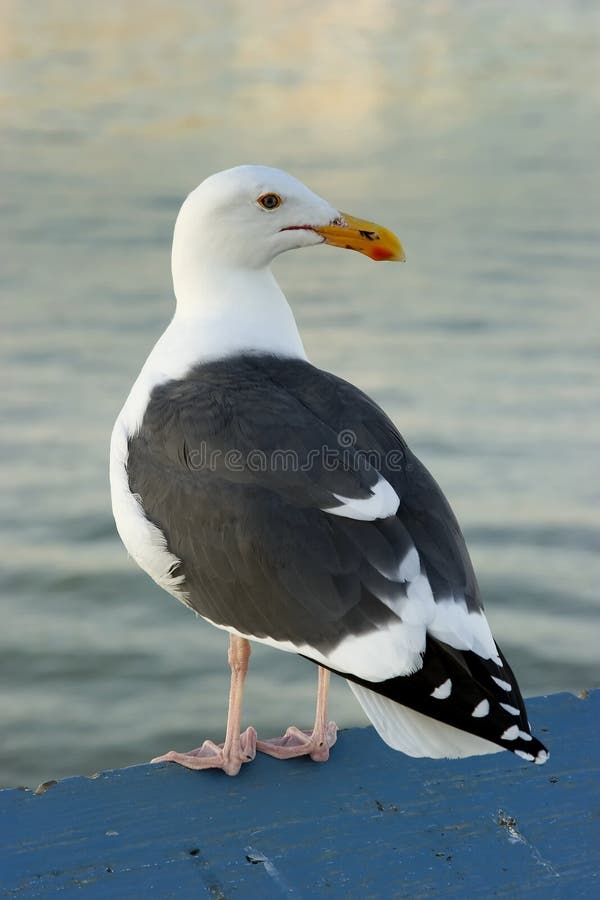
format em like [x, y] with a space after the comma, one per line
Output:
[373, 240]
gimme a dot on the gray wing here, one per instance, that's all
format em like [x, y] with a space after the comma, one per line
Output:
[211, 464]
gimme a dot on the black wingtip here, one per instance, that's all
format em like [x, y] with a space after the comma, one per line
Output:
[530, 750]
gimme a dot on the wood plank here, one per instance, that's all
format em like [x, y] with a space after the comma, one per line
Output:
[369, 824]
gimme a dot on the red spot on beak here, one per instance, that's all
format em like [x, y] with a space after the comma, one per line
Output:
[380, 254]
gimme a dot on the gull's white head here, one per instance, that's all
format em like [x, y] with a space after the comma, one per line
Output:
[244, 217]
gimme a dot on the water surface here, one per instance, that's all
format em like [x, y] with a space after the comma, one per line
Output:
[473, 130]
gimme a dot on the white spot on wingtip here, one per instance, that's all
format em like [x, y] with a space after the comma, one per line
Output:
[524, 735]
[498, 661]
[510, 709]
[502, 684]
[481, 710]
[443, 691]
[528, 756]
[511, 734]
[542, 757]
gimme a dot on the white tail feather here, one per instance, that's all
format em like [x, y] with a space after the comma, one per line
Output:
[415, 734]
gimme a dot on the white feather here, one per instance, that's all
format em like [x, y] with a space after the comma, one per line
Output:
[455, 625]
[412, 602]
[390, 651]
[415, 734]
[394, 649]
[410, 567]
[382, 504]
[419, 607]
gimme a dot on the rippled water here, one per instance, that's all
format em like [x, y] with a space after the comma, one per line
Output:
[471, 129]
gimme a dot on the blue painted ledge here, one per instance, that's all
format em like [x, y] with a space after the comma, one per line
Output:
[371, 823]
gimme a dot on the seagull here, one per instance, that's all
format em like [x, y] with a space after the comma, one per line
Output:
[281, 504]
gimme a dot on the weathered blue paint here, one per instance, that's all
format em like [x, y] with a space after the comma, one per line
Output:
[369, 824]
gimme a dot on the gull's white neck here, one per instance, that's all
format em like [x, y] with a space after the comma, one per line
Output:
[222, 312]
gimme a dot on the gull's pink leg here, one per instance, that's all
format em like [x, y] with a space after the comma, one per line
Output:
[238, 748]
[315, 743]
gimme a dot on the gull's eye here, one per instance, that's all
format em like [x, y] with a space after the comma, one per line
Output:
[269, 201]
